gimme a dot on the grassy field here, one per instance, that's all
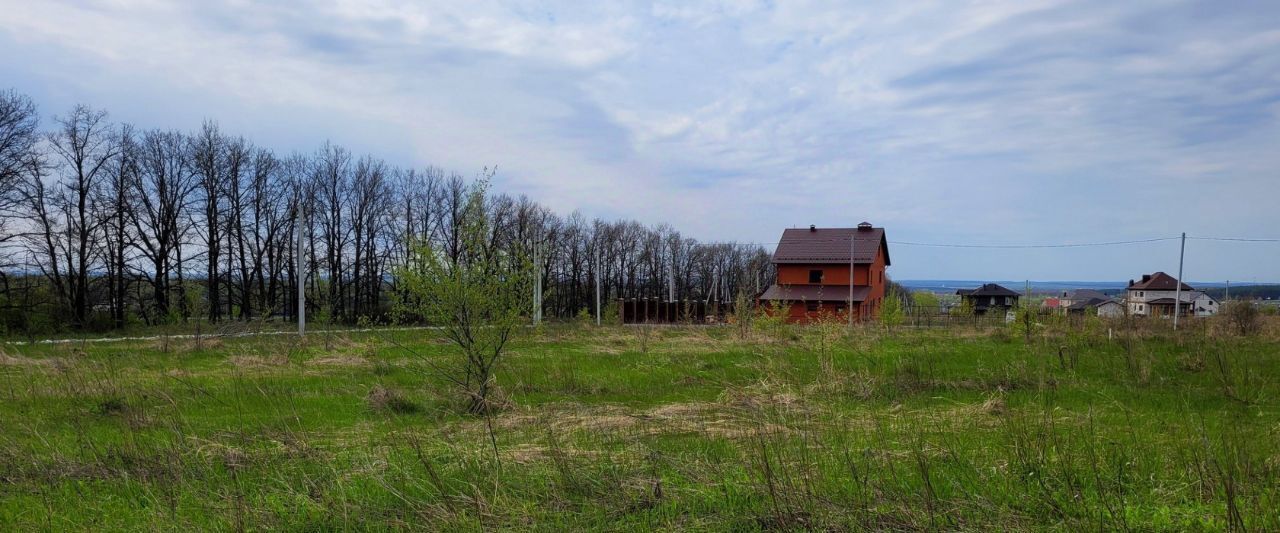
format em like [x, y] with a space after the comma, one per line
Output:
[650, 428]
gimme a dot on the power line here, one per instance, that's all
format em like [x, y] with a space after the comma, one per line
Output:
[1234, 239]
[948, 245]
[1007, 246]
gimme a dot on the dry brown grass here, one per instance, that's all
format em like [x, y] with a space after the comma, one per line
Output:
[994, 405]
[166, 344]
[340, 360]
[387, 400]
[736, 416]
[18, 360]
[247, 362]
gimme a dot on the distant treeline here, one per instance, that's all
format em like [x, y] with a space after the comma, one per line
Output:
[103, 225]
[1246, 292]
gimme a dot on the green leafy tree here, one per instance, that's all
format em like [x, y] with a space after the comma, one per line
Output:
[891, 311]
[477, 299]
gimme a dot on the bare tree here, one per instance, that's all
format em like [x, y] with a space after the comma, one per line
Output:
[19, 136]
[117, 205]
[65, 220]
[332, 181]
[367, 214]
[19, 157]
[208, 158]
[164, 187]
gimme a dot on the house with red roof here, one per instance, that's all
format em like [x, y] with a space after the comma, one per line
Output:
[829, 271]
[1156, 295]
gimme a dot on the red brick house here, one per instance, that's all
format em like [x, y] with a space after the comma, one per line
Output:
[825, 270]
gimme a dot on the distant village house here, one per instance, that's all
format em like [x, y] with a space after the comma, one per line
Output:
[1083, 301]
[1156, 295]
[989, 297]
[829, 271]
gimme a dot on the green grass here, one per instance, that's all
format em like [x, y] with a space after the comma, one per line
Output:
[631, 429]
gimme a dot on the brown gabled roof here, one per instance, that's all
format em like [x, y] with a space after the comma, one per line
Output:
[831, 245]
[815, 293]
[989, 289]
[1087, 294]
[1081, 305]
[1158, 282]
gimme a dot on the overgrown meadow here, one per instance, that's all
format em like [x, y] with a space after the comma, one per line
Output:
[1066, 427]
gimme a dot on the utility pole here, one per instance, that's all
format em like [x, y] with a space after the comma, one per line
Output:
[537, 285]
[671, 280]
[849, 308]
[302, 273]
[598, 310]
[1227, 297]
[1177, 293]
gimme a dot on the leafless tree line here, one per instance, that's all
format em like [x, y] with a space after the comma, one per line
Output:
[103, 225]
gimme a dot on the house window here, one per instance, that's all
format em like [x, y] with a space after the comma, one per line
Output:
[811, 307]
[815, 276]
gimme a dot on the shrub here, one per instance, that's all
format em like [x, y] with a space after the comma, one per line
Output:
[744, 313]
[612, 314]
[771, 319]
[891, 311]
[1241, 317]
[384, 400]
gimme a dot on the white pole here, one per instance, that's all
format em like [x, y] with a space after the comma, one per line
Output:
[302, 274]
[1177, 293]
[598, 288]
[671, 280]
[537, 285]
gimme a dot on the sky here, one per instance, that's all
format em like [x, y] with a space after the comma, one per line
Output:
[958, 122]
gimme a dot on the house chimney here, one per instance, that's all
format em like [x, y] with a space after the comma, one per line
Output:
[812, 228]
[1146, 278]
[1130, 283]
[864, 226]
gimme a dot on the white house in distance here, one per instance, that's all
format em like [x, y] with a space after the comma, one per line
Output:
[1082, 301]
[1205, 304]
[1156, 293]
[1108, 308]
